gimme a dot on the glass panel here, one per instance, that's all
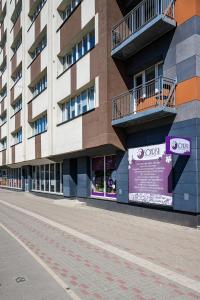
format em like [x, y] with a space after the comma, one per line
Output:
[33, 178]
[150, 74]
[37, 178]
[160, 69]
[91, 98]
[72, 110]
[84, 101]
[98, 176]
[42, 178]
[58, 178]
[47, 178]
[20, 178]
[111, 176]
[52, 179]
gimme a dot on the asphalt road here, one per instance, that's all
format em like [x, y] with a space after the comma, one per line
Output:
[49, 250]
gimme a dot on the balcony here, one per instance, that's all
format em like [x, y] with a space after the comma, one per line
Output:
[145, 23]
[155, 99]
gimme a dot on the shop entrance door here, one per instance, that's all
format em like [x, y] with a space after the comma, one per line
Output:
[104, 176]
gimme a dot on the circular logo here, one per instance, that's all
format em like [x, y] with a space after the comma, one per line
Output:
[174, 145]
[140, 153]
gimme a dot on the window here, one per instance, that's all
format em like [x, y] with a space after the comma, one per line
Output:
[3, 93]
[47, 178]
[17, 45]
[17, 106]
[39, 47]
[69, 9]
[78, 105]
[3, 119]
[12, 178]
[3, 67]
[37, 10]
[40, 125]
[17, 75]
[80, 49]
[17, 137]
[3, 144]
[40, 86]
[16, 13]
[148, 82]
[149, 74]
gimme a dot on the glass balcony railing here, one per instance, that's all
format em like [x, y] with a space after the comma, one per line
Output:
[158, 93]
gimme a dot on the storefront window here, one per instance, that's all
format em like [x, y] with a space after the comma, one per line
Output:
[111, 176]
[11, 178]
[104, 176]
[98, 176]
[42, 178]
[52, 181]
[46, 177]
[57, 178]
[33, 178]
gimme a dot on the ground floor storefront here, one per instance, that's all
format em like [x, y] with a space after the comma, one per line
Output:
[144, 175]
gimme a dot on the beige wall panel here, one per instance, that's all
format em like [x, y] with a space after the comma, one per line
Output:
[19, 154]
[18, 88]
[83, 71]
[63, 86]
[68, 137]
[30, 149]
[4, 130]
[40, 104]
[87, 11]
[44, 144]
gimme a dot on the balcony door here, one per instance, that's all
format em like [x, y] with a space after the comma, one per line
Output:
[147, 84]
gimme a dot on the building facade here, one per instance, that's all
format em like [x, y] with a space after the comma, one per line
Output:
[89, 92]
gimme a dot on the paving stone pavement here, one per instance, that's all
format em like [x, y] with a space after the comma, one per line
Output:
[94, 273]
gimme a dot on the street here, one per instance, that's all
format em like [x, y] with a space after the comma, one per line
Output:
[54, 249]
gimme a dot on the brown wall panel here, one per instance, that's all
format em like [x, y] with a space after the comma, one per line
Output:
[2, 30]
[73, 78]
[16, 27]
[4, 51]
[12, 95]
[97, 128]
[4, 157]
[188, 90]
[37, 26]
[71, 28]
[35, 68]
[13, 154]
[14, 63]
[18, 120]
[38, 146]
[2, 106]
[30, 111]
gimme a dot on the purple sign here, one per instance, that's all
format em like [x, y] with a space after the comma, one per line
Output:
[150, 175]
[177, 145]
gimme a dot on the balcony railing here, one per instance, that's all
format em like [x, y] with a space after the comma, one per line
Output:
[141, 15]
[157, 93]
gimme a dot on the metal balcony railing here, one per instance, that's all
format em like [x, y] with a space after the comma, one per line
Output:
[141, 15]
[157, 93]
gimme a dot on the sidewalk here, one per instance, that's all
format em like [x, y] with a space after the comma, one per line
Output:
[171, 246]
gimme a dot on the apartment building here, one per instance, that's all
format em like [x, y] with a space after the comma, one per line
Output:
[89, 92]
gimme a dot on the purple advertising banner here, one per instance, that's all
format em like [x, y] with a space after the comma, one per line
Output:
[150, 175]
[177, 145]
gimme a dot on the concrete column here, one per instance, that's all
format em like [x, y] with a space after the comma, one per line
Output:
[122, 177]
[69, 177]
[83, 177]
